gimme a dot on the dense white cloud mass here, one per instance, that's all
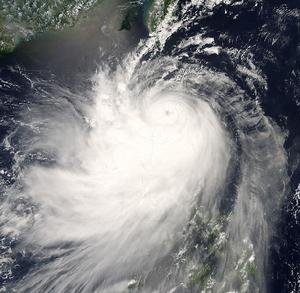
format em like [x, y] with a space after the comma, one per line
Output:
[123, 190]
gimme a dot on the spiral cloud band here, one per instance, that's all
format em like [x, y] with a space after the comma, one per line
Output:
[127, 192]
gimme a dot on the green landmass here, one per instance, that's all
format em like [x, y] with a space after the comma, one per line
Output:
[155, 11]
[22, 19]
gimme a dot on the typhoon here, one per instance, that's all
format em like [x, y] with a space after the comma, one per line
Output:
[165, 176]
